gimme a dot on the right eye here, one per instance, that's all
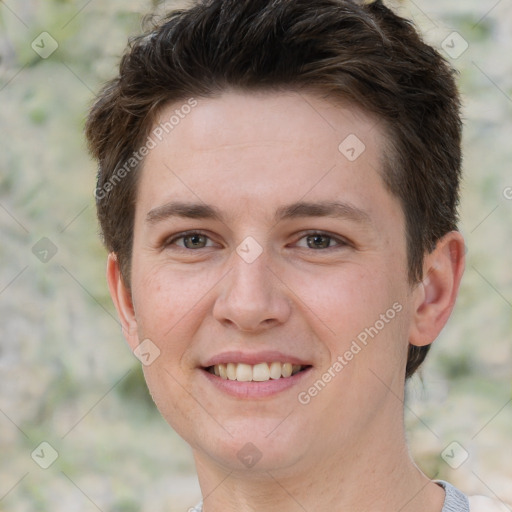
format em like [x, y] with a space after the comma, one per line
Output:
[189, 240]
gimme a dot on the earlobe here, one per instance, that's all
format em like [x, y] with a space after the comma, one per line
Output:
[436, 294]
[122, 299]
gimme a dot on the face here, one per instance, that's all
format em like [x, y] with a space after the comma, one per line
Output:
[265, 242]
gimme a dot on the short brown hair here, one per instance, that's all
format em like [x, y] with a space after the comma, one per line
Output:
[358, 52]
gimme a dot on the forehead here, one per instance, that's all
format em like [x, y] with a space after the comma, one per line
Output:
[253, 149]
[245, 118]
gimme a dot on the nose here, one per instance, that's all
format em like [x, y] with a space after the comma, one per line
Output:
[251, 298]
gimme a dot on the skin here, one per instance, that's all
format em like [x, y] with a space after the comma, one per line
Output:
[248, 155]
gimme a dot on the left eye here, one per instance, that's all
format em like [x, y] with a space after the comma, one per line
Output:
[320, 241]
[191, 241]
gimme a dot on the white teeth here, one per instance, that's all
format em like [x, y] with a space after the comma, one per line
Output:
[231, 371]
[286, 370]
[243, 372]
[260, 372]
[275, 371]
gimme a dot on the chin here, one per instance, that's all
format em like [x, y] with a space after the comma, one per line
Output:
[247, 445]
[261, 456]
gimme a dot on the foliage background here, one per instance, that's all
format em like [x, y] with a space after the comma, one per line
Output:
[67, 376]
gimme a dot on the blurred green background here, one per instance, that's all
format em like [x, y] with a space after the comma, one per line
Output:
[68, 378]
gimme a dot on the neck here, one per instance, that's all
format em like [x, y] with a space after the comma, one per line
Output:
[374, 473]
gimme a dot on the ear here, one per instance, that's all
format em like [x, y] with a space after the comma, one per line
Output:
[122, 299]
[436, 294]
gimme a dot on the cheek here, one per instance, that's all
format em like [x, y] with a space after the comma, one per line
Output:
[166, 301]
[345, 299]
[169, 307]
[168, 390]
[359, 313]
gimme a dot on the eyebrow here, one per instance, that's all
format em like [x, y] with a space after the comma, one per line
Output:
[333, 209]
[185, 210]
[298, 209]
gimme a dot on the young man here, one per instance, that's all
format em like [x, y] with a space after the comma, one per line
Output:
[277, 189]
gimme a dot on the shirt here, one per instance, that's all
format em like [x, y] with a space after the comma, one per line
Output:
[454, 501]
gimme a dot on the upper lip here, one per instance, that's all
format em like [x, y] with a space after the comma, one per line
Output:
[267, 356]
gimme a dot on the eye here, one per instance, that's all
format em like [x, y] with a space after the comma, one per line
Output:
[190, 240]
[320, 241]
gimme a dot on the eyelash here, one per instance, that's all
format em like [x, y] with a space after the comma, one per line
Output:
[341, 242]
[171, 240]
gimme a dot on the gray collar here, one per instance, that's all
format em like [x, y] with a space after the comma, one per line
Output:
[454, 501]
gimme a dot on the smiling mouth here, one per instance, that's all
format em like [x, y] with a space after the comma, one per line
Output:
[260, 372]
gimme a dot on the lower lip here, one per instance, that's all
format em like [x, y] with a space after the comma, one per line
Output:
[254, 390]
